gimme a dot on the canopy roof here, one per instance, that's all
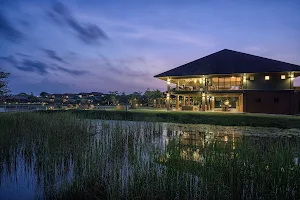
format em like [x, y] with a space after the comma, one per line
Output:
[230, 62]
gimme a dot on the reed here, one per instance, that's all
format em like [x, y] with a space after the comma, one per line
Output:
[105, 159]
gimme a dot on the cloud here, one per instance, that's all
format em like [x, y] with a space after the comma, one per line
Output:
[8, 31]
[88, 33]
[23, 55]
[167, 35]
[52, 54]
[34, 66]
[72, 72]
[10, 59]
[121, 66]
[39, 67]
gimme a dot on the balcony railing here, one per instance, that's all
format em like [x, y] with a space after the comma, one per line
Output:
[209, 88]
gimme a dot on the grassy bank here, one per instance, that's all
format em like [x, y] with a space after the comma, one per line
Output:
[224, 119]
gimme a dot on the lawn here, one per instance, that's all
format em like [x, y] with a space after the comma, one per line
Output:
[224, 119]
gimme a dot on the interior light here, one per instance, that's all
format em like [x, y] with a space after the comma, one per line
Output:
[282, 77]
[267, 78]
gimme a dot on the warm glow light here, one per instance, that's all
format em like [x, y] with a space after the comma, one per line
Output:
[195, 81]
[203, 94]
[292, 75]
[244, 78]
[225, 138]
[267, 78]
[168, 81]
[282, 77]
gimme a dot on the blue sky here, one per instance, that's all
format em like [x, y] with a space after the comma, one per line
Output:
[84, 46]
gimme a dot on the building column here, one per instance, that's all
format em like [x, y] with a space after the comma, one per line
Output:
[189, 100]
[168, 94]
[212, 103]
[168, 101]
[241, 105]
[183, 100]
[203, 101]
[177, 102]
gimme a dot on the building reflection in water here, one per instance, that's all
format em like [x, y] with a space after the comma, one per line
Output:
[189, 144]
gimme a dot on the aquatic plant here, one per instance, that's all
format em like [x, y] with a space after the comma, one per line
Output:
[73, 157]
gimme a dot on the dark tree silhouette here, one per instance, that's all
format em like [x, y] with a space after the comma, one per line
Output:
[3, 83]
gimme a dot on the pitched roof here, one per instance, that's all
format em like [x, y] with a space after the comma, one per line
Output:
[230, 62]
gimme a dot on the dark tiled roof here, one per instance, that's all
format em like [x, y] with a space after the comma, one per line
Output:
[230, 62]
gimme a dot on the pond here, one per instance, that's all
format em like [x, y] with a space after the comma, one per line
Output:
[145, 160]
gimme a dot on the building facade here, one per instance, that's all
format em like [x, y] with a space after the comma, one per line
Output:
[233, 81]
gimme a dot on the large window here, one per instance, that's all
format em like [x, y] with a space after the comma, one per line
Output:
[226, 83]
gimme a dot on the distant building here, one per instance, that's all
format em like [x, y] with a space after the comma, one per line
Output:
[259, 85]
[16, 99]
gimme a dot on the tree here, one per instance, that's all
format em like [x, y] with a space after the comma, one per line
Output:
[123, 98]
[113, 97]
[149, 95]
[44, 94]
[3, 84]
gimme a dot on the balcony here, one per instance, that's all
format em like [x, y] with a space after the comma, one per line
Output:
[207, 88]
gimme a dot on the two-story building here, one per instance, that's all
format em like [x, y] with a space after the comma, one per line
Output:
[255, 84]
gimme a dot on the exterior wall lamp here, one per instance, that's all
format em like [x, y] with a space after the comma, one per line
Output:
[292, 76]
[168, 81]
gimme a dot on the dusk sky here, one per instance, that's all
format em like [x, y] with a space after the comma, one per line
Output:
[89, 45]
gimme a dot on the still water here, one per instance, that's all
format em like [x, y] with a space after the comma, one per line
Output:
[119, 151]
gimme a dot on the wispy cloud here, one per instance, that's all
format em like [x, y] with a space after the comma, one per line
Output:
[8, 30]
[71, 71]
[52, 54]
[33, 66]
[123, 66]
[40, 67]
[88, 33]
[170, 35]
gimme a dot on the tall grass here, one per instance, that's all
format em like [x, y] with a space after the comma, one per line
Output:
[134, 162]
[75, 158]
[45, 144]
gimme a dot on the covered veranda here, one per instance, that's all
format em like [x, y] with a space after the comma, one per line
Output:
[230, 101]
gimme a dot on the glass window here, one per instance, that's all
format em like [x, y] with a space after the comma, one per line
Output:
[221, 83]
[227, 83]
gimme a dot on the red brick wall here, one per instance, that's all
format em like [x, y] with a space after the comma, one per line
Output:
[272, 102]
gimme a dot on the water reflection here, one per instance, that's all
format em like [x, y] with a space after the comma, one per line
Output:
[120, 152]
